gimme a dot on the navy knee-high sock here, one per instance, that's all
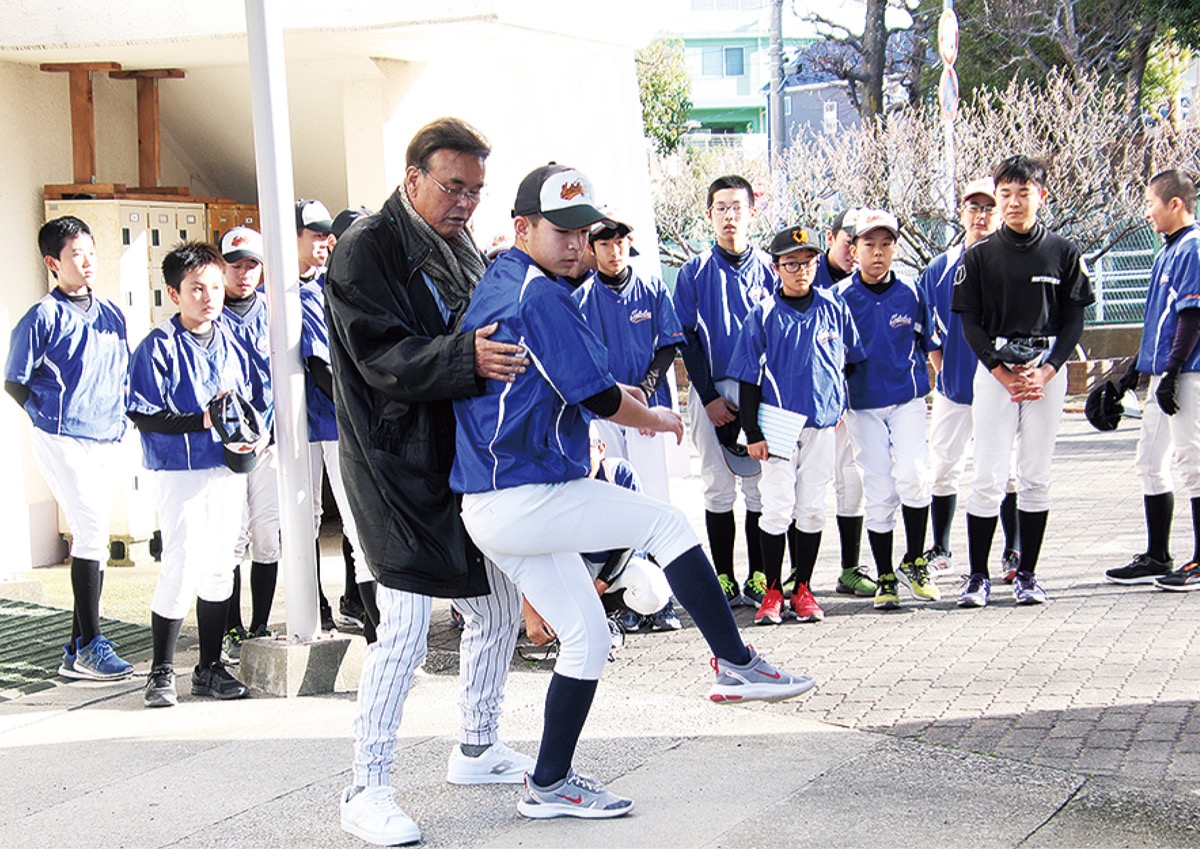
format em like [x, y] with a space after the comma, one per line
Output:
[916, 520]
[807, 546]
[165, 633]
[753, 542]
[233, 614]
[881, 550]
[1160, 509]
[980, 530]
[850, 537]
[772, 546]
[263, 577]
[366, 591]
[210, 619]
[721, 530]
[86, 579]
[694, 585]
[942, 514]
[1008, 521]
[1033, 529]
[568, 701]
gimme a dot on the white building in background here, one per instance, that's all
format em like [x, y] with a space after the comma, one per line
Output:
[362, 77]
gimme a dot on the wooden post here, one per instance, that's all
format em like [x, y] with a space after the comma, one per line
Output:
[83, 123]
[149, 136]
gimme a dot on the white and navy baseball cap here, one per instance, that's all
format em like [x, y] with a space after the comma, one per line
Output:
[312, 215]
[875, 219]
[562, 195]
[242, 243]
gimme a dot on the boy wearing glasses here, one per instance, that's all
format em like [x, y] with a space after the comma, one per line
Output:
[714, 293]
[790, 357]
[955, 365]
[887, 407]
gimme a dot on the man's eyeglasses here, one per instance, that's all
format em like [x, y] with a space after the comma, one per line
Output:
[791, 266]
[456, 194]
[976, 208]
[720, 210]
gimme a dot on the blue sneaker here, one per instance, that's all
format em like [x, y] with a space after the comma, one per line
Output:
[975, 591]
[1026, 589]
[67, 668]
[98, 662]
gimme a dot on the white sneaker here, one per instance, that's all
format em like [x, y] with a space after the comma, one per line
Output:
[498, 764]
[373, 815]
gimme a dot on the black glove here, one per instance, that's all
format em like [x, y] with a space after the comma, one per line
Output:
[1166, 391]
[1130, 380]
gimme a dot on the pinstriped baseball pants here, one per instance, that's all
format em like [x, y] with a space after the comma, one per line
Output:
[486, 649]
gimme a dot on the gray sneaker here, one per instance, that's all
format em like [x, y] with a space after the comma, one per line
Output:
[975, 590]
[160, 688]
[1026, 589]
[756, 680]
[575, 796]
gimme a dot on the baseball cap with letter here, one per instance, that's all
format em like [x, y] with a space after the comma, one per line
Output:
[793, 239]
[561, 195]
[312, 215]
[242, 243]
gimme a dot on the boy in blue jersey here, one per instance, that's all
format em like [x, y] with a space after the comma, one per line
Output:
[68, 368]
[175, 373]
[635, 319]
[955, 365]
[1170, 354]
[887, 405]
[791, 355]
[245, 317]
[522, 464]
[713, 295]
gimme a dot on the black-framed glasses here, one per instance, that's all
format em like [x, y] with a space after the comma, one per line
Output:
[976, 208]
[456, 194]
[791, 266]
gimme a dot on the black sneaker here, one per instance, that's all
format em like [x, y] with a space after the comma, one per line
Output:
[327, 623]
[352, 611]
[217, 682]
[160, 688]
[1143, 569]
[665, 619]
[1184, 579]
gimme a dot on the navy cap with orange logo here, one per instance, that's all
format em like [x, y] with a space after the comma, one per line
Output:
[794, 239]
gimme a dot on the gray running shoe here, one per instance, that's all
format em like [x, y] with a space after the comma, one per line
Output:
[575, 796]
[756, 680]
[1026, 589]
[975, 591]
[160, 688]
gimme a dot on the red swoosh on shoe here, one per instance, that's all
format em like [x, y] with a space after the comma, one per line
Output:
[574, 801]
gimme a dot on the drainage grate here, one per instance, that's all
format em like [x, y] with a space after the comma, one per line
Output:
[34, 636]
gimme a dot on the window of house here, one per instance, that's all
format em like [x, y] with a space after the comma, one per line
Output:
[787, 107]
[735, 61]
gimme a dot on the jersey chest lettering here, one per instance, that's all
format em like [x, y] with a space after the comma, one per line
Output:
[1045, 279]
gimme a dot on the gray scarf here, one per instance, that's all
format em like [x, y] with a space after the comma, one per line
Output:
[454, 265]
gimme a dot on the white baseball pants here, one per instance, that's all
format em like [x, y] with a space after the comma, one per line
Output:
[534, 532]
[891, 450]
[795, 488]
[719, 485]
[1163, 436]
[949, 433]
[325, 455]
[83, 476]
[199, 514]
[260, 518]
[847, 476]
[1001, 427]
[488, 639]
[647, 454]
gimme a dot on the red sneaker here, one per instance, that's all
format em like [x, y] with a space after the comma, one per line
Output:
[770, 612]
[805, 606]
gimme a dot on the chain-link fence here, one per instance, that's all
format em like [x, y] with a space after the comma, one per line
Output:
[1121, 277]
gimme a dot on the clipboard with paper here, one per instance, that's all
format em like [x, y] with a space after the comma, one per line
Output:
[781, 428]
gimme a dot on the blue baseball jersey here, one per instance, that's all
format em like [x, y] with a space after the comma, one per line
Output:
[534, 429]
[633, 324]
[76, 365]
[897, 331]
[252, 332]
[314, 342]
[824, 278]
[956, 379]
[714, 298]
[1174, 286]
[799, 358]
[171, 371]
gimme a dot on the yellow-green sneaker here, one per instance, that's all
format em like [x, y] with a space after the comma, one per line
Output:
[887, 593]
[755, 588]
[855, 582]
[915, 578]
[730, 588]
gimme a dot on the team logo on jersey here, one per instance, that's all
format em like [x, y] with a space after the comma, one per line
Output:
[262, 344]
[900, 320]
[960, 275]
[570, 191]
[1045, 278]
[827, 336]
[638, 316]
